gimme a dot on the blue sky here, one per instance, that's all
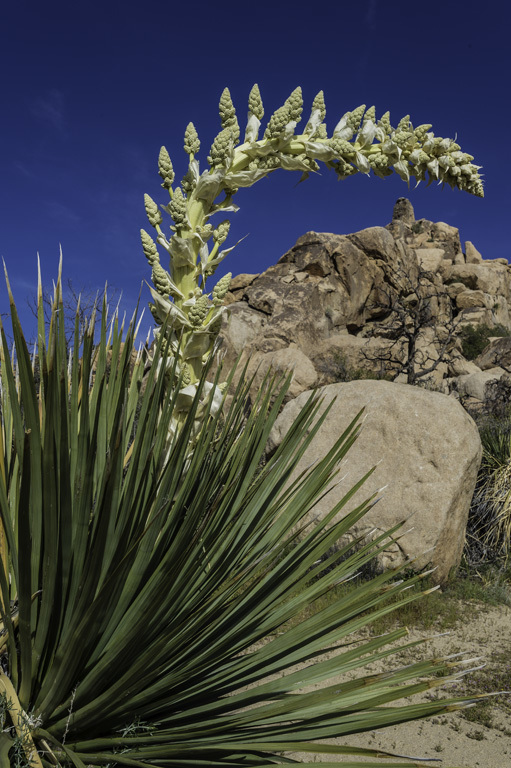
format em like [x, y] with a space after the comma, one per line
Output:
[91, 91]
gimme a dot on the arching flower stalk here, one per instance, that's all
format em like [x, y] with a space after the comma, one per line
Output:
[359, 143]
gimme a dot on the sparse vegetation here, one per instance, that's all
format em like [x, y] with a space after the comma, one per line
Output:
[489, 524]
[337, 368]
[475, 338]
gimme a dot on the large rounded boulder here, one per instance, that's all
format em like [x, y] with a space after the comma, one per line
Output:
[427, 452]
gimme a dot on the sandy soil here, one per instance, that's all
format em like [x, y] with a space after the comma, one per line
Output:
[454, 741]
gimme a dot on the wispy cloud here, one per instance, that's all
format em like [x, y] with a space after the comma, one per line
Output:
[49, 108]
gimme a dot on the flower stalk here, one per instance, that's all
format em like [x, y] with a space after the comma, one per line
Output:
[359, 143]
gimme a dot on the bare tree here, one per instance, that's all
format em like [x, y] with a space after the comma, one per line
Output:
[418, 320]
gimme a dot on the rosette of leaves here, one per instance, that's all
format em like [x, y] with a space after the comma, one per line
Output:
[151, 600]
[358, 143]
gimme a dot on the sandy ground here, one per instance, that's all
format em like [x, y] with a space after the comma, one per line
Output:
[452, 740]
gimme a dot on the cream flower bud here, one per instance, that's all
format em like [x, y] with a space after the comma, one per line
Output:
[156, 316]
[421, 132]
[152, 210]
[185, 375]
[343, 168]
[319, 103]
[404, 124]
[178, 209]
[321, 133]
[221, 232]
[188, 182]
[165, 168]
[370, 115]
[161, 280]
[403, 138]
[255, 103]
[294, 103]
[277, 123]
[192, 143]
[228, 114]
[354, 118]
[220, 147]
[198, 311]
[341, 146]
[221, 288]
[379, 161]
[149, 248]
[384, 123]
[206, 231]
[270, 162]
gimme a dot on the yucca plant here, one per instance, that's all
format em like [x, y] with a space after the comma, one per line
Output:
[144, 588]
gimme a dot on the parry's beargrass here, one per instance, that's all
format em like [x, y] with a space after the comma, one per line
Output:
[142, 587]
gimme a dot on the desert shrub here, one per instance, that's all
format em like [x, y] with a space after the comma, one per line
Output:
[474, 338]
[336, 368]
[489, 523]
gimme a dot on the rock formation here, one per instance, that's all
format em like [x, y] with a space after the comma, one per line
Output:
[338, 307]
[331, 301]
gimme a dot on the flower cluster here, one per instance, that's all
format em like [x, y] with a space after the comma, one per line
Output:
[359, 143]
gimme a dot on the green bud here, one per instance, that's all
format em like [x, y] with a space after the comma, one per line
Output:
[294, 104]
[178, 209]
[221, 147]
[192, 143]
[198, 311]
[221, 232]
[165, 168]
[161, 280]
[277, 122]
[255, 103]
[319, 103]
[152, 210]
[228, 114]
[149, 248]
[221, 288]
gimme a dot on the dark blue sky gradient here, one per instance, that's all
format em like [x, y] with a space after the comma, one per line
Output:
[90, 92]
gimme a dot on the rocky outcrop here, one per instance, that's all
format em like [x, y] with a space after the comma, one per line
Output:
[428, 465]
[385, 302]
[331, 302]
